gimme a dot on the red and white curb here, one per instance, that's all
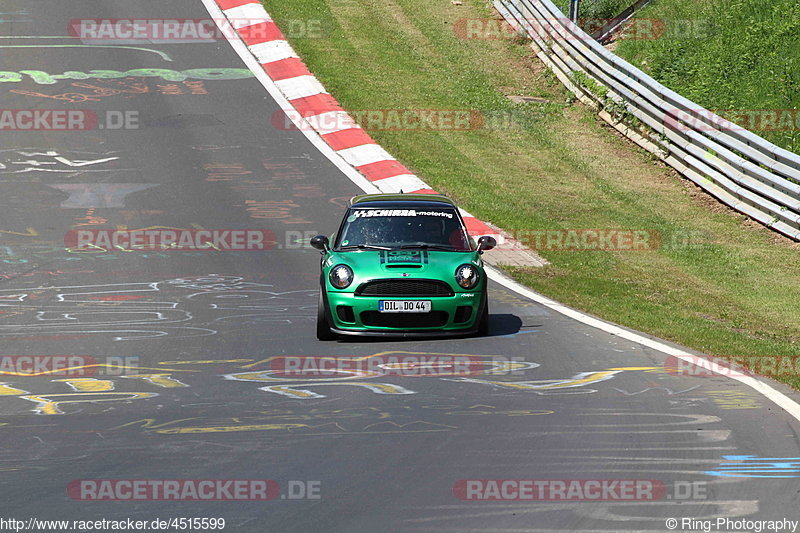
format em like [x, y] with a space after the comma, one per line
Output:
[248, 10]
[313, 107]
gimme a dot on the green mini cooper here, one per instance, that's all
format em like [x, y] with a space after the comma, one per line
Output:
[402, 265]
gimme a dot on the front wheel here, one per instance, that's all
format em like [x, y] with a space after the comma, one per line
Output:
[324, 332]
[483, 322]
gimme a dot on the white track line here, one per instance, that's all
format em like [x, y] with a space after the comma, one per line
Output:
[780, 399]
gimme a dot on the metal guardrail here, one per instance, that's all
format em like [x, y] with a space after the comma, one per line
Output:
[738, 167]
[617, 22]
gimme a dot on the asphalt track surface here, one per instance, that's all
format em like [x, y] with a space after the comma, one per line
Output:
[386, 457]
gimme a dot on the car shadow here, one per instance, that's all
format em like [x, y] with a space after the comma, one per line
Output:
[504, 324]
[499, 325]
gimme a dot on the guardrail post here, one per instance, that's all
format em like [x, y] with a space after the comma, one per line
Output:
[574, 10]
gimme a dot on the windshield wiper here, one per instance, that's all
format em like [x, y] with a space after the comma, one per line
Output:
[425, 246]
[364, 247]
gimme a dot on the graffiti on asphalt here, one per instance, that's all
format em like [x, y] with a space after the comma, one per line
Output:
[133, 311]
[206, 74]
[127, 87]
[111, 387]
[32, 160]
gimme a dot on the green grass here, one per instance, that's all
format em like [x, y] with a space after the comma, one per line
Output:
[596, 9]
[727, 55]
[734, 290]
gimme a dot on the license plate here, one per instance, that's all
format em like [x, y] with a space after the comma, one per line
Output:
[404, 306]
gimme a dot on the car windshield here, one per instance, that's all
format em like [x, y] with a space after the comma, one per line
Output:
[438, 228]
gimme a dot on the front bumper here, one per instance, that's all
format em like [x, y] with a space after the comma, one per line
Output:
[398, 333]
[359, 316]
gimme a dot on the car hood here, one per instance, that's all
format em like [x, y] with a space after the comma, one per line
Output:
[429, 264]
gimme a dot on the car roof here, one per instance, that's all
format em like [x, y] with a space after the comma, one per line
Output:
[401, 200]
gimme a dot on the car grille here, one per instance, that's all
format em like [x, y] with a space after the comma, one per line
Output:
[404, 287]
[434, 319]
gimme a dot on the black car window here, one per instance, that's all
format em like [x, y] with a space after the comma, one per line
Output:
[439, 228]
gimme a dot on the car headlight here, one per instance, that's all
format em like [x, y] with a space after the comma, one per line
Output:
[341, 276]
[467, 276]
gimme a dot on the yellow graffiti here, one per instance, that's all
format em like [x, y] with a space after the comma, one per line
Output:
[380, 354]
[579, 380]
[75, 369]
[206, 362]
[330, 368]
[149, 423]
[6, 390]
[161, 380]
[649, 369]
[29, 232]
[50, 404]
[294, 392]
[730, 400]
[265, 375]
[88, 384]
[267, 360]
[60, 371]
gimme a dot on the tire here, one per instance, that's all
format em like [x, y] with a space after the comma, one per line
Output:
[483, 322]
[324, 332]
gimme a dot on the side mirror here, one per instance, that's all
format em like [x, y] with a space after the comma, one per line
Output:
[486, 243]
[320, 242]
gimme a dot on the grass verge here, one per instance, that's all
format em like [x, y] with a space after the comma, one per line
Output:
[732, 289]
